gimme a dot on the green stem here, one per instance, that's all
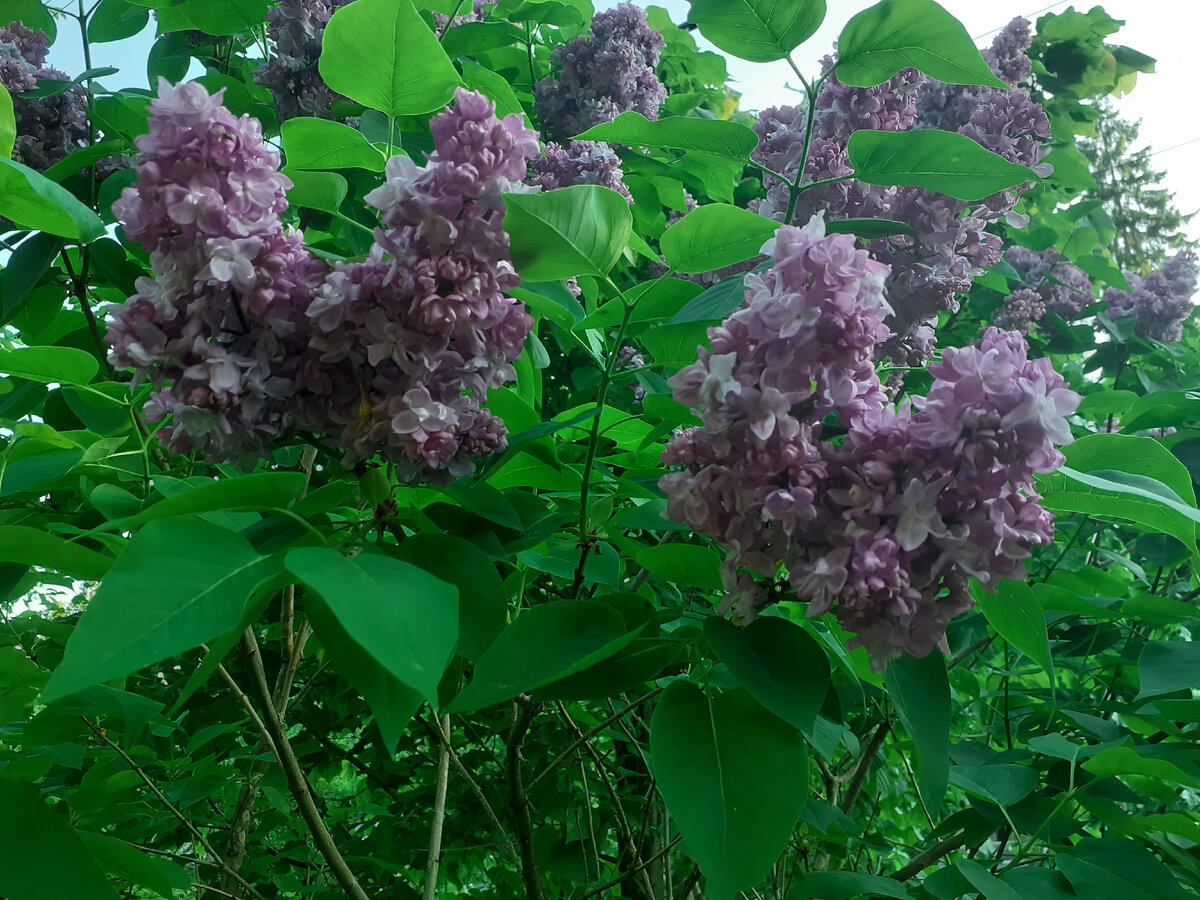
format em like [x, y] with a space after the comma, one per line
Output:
[594, 439]
[450, 21]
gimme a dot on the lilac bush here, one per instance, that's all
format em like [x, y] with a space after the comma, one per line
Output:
[295, 28]
[580, 162]
[601, 75]
[248, 338]
[48, 128]
[1057, 284]
[885, 525]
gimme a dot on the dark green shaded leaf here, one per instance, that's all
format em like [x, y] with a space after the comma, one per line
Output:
[919, 690]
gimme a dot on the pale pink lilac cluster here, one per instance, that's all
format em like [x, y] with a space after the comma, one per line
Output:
[603, 74]
[1162, 301]
[952, 243]
[407, 344]
[580, 162]
[247, 338]
[219, 329]
[800, 466]
[950, 106]
[296, 28]
[48, 128]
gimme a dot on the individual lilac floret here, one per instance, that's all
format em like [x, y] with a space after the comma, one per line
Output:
[296, 28]
[409, 343]
[599, 76]
[219, 328]
[1162, 300]
[885, 524]
[48, 128]
[581, 162]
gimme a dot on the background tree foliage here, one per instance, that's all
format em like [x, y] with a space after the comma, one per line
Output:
[298, 678]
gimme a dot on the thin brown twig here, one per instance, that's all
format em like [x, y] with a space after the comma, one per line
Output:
[640, 866]
[588, 735]
[864, 766]
[297, 783]
[524, 711]
[924, 860]
[171, 808]
[439, 811]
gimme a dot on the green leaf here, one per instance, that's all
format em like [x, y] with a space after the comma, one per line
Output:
[846, 885]
[941, 161]
[919, 690]
[778, 662]
[41, 856]
[317, 190]
[674, 346]
[31, 13]
[35, 202]
[495, 87]
[177, 584]
[900, 34]
[116, 20]
[1001, 783]
[578, 230]
[869, 229]
[734, 778]
[1167, 666]
[8, 123]
[403, 617]
[544, 644]
[1117, 869]
[33, 546]
[381, 54]
[1016, 614]
[714, 236]
[685, 564]
[310, 143]
[49, 365]
[215, 17]
[715, 303]
[25, 268]
[128, 862]
[1159, 409]
[991, 887]
[716, 136]
[482, 607]
[1127, 761]
[265, 490]
[758, 30]
[391, 701]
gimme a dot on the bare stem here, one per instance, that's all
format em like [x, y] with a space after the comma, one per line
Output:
[864, 766]
[523, 712]
[439, 811]
[297, 783]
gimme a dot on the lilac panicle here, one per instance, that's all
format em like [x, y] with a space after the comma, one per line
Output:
[48, 128]
[885, 526]
[248, 339]
[581, 162]
[296, 28]
[599, 76]
[1162, 300]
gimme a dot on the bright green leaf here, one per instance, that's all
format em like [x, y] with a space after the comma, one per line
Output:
[35, 202]
[49, 365]
[33, 546]
[716, 136]
[715, 236]
[758, 30]
[578, 230]
[310, 143]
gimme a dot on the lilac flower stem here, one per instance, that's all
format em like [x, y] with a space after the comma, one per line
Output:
[811, 90]
[450, 20]
[594, 439]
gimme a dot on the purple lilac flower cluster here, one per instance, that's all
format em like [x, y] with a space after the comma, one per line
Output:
[296, 28]
[599, 76]
[952, 244]
[1162, 300]
[580, 162]
[48, 128]
[885, 525]
[407, 344]
[950, 106]
[1051, 283]
[247, 338]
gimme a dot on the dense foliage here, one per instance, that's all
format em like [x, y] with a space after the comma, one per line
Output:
[451, 449]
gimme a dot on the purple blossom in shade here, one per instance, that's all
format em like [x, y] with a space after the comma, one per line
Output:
[219, 328]
[48, 128]
[581, 162]
[842, 110]
[1062, 287]
[601, 75]
[1162, 300]
[407, 344]
[1021, 310]
[296, 28]
[885, 525]
[950, 106]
